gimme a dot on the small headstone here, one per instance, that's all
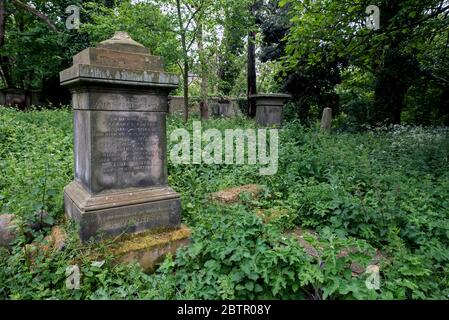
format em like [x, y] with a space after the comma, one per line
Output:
[120, 101]
[215, 107]
[54, 242]
[326, 120]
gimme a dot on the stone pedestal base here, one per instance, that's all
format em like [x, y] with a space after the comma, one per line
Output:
[150, 248]
[132, 210]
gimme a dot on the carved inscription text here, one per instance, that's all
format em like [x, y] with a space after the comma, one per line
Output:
[125, 144]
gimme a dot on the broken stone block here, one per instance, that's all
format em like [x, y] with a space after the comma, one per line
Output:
[54, 242]
[59, 238]
[356, 269]
[300, 234]
[233, 195]
[8, 230]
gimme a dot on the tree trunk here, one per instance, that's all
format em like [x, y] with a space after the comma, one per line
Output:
[185, 73]
[186, 89]
[204, 109]
[40, 15]
[388, 104]
[394, 75]
[393, 80]
[4, 61]
[251, 74]
[3, 16]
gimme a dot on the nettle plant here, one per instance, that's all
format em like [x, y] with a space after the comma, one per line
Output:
[383, 190]
[237, 256]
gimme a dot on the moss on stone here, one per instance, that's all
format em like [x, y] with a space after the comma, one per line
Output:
[149, 239]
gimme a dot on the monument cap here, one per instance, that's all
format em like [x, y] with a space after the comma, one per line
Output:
[121, 41]
[119, 60]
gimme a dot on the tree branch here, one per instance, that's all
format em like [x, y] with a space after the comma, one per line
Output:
[35, 12]
[180, 67]
[193, 15]
[193, 39]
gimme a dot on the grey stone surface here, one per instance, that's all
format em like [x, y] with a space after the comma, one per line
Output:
[150, 248]
[122, 211]
[8, 230]
[326, 120]
[120, 101]
[117, 76]
[120, 149]
[116, 59]
[269, 108]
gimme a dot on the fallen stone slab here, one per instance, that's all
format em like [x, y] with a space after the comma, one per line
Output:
[357, 269]
[54, 242]
[58, 238]
[300, 234]
[151, 247]
[316, 252]
[8, 230]
[232, 195]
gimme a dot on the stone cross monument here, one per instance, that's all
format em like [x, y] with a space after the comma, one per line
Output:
[120, 100]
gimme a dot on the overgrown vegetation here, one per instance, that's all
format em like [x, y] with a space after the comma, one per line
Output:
[385, 191]
[319, 51]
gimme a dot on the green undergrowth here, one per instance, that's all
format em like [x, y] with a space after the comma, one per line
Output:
[385, 190]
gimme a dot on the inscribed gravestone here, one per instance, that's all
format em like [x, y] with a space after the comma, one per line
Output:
[120, 100]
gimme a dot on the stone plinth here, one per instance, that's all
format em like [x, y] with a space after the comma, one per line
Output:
[120, 100]
[269, 108]
[150, 248]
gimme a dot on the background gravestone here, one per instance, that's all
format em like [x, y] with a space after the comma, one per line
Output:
[269, 108]
[326, 119]
[120, 100]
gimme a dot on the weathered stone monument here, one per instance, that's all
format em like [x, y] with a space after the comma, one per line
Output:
[120, 100]
[269, 108]
[326, 120]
